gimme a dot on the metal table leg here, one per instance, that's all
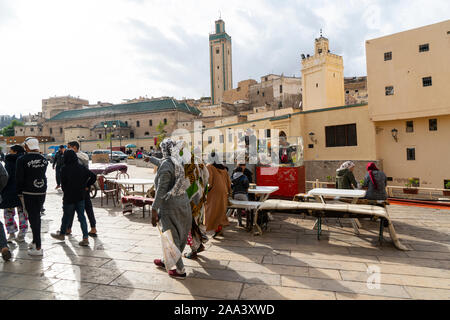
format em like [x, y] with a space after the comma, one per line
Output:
[380, 236]
[319, 227]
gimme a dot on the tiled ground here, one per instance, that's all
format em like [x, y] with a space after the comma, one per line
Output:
[285, 263]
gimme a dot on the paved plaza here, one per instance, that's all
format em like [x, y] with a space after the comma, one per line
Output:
[287, 262]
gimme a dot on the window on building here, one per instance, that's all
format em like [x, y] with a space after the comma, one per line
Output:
[209, 140]
[320, 51]
[31, 129]
[263, 94]
[165, 121]
[126, 123]
[221, 138]
[217, 51]
[40, 129]
[266, 79]
[281, 88]
[268, 133]
[51, 131]
[389, 90]
[138, 124]
[150, 123]
[60, 130]
[100, 136]
[356, 91]
[131, 135]
[424, 47]
[426, 82]
[410, 153]
[432, 124]
[347, 92]
[146, 133]
[317, 85]
[388, 56]
[230, 137]
[217, 67]
[409, 126]
[257, 92]
[341, 136]
[445, 183]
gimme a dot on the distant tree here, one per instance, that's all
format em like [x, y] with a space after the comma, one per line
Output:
[8, 131]
[161, 133]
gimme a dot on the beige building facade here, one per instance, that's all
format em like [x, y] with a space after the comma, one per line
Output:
[408, 83]
[54, 105]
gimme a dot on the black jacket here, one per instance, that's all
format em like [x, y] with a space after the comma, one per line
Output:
[9, 193]
[30, 174]
[239, 183]
[59, 160]
[247, 173]
[75, 178]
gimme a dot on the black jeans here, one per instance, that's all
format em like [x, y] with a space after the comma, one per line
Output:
[33, 206]
[89, 212]
[58, 175]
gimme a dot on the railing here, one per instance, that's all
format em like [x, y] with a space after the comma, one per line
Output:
[396, 191]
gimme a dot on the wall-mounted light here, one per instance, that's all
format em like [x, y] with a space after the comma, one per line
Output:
[311, 136]
[395, 134]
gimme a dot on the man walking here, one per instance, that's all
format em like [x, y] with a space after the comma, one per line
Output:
[83, 159]
[75, 180]
[31, 188]
[57, 164]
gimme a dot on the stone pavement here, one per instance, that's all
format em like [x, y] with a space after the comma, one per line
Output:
[285, 263]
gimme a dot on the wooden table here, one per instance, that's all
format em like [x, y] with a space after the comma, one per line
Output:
[136, 182]
[320, 193]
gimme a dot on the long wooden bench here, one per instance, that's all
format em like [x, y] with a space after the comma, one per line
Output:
[324, 210]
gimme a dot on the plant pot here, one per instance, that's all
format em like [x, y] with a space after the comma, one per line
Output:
[331, 185]
[410, 191]
[446, 193]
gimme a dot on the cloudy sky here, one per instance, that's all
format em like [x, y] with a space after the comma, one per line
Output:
[111, 50]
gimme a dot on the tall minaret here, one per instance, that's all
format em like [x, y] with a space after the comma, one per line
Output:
[322, 78]
[220, 62]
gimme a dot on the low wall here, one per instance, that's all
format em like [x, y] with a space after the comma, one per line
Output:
[320, 169]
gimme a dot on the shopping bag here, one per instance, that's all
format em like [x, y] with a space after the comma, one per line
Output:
[171, 253]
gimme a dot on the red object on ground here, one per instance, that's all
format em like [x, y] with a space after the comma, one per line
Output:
[418, 203]
[290, 180]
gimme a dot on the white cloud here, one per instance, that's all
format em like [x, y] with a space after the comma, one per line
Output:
[113, 49]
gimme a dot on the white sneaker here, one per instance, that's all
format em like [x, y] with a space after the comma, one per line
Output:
[34, 252]
[11, 237]
[20, 237]
[31, 245]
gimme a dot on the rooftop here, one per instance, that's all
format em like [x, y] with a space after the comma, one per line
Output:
[138, 107]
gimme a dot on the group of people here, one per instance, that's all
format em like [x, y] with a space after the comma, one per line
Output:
[191, 199]
[374, 181]
[23, 186]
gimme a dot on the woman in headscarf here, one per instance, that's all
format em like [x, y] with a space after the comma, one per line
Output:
[344, 176]
[219, 189]
[198, 177]
[171, 205]
[375, 181]
[9, 199]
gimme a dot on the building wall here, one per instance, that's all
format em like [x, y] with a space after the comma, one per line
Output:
[356, 91]
[52, 106]
[239, 93]
[432, 151]
[405, 72]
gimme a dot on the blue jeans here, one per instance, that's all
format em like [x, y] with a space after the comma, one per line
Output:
[3, 242]
[68, 215]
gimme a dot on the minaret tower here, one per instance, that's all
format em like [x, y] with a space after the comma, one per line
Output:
[220, 62]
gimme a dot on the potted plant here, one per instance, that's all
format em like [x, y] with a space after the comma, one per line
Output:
[330, 183]
[447, 186]
[410, 186]
[361, 182]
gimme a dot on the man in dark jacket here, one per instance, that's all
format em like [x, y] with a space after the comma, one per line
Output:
[32, 187]
[58, 162]
[6, 254]
[75, 181]
[239, 185]
[10, 201]
[84, 160]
